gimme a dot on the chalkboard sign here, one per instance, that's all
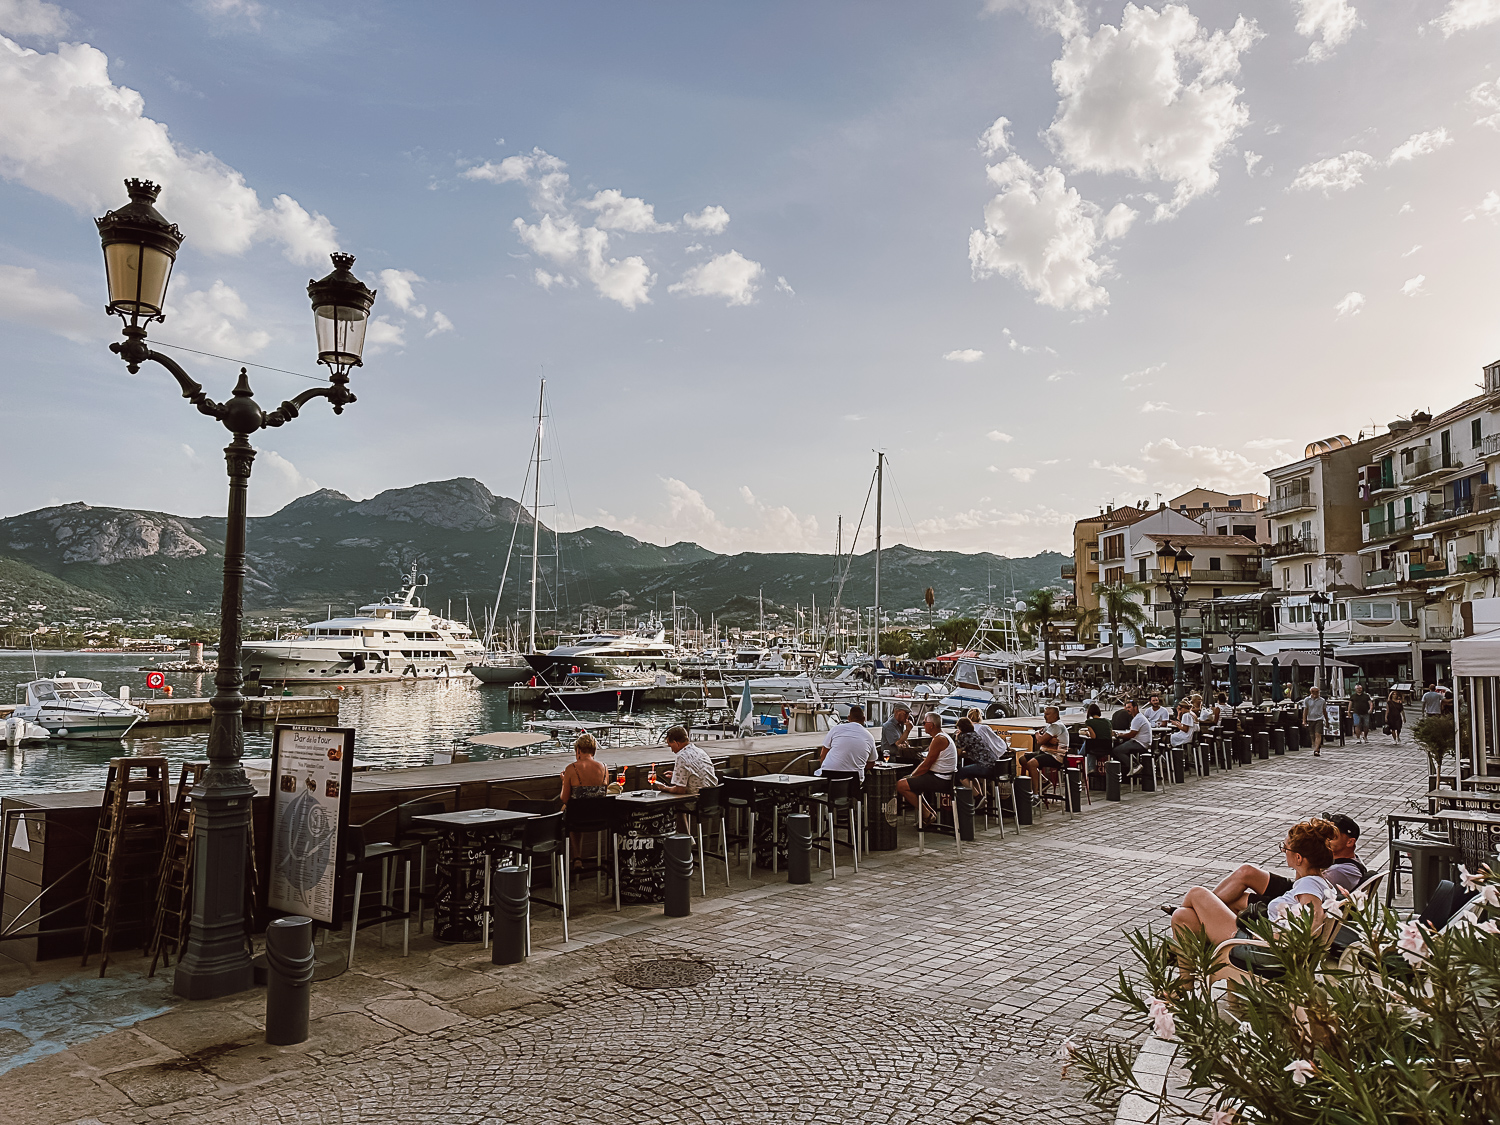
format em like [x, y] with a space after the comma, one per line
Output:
[311, 768]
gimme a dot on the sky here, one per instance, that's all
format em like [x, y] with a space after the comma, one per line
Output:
[1046, 256]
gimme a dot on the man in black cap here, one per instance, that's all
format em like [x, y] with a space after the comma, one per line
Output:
[1346, 870]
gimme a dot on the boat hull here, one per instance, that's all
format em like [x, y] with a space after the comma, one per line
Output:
[596, 699]
[87, 728]
[502, 673]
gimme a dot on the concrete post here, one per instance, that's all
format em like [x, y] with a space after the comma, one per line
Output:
[1075, 790]
[1262, 745]
[289, 966]
[1111, 780]
[1023, 800]
[963, 811]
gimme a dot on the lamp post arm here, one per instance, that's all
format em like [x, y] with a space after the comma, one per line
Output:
[338, 395]
[135, 352]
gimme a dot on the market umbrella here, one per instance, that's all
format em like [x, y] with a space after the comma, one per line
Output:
[1275, 680]
[1234, 680]
[1208, 675]
[1296, 668]
[1255, 680]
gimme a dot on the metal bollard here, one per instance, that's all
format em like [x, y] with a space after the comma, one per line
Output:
[1278, 741]
[963, 811]
[1111, 781]
[1179, 767]
[1242, 749]
[1075, 789]
[1023, 800]
[510, 896]
[679, 865]
[289, 965]
[799, 848]
[1148, 773]
[1262, 745]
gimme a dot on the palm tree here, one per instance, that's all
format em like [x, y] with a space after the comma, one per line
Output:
[1041, 615]
[1120, 604]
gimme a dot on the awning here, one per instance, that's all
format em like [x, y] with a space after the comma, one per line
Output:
[1477, 656]
[509, 739]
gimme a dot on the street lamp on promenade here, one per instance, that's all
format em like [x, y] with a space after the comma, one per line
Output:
[1235, 620]
[140, 248]
[1175, 570]
[1320, 606]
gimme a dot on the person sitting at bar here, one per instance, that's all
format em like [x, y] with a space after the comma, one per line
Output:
[1346, 871]
[848, 748]
[1248, 885]
[1137, 742]
[691, 771]
[978, 757]
[893, 736]
[1098, 740]
[1051, 752]
[991, 738]
[584, 777]
[1185, 725]
[934, 773]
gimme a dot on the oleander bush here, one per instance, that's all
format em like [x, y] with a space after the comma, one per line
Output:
[1405, 1028]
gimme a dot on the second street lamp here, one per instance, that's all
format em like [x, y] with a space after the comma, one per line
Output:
[1320, 606]
[1175, 570]
[140, 248]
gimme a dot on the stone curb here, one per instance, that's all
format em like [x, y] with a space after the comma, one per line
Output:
[1151, 1072]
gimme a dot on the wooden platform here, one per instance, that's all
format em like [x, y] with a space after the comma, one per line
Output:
[257, 709]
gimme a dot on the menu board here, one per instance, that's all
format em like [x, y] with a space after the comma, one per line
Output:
[311, 768]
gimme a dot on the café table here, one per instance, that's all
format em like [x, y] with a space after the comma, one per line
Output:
[787, 792]
[469, 839]
[650, 816]
[1472, 799]
[882, 805]
[1476, 835]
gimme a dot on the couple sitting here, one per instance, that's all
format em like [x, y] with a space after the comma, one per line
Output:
[1320, 853]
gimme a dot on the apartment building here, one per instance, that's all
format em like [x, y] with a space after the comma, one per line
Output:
[1196, 500]
[1084, 570]
[1223, 566]
[1314, 511]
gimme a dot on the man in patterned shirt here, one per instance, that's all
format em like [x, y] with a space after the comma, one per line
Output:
[692, 770]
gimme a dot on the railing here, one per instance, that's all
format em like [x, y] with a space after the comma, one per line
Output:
[1383, 529]
[1472, 564]
[1491, 445]
[1419, 572]
[1435, 513]
[1234, 574]
[1301, 545]
[1069, 570]
[1427, 465]
[1291, 502]
[1383, 577]
[1441, 632]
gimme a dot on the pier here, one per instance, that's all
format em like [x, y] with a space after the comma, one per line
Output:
[258, 709]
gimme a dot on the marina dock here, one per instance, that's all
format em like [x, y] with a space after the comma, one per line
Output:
[258, 709]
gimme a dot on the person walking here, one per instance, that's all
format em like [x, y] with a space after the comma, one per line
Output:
[1314, 712]
[1432, 701]
[1359, 707]
[1395, 714]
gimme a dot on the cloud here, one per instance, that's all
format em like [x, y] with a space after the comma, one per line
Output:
[277, 483]
[730, 275]
[548, 280]
[1022, 475]
[1016, 532]
[1152, 98]
[618, 211]
[1420, 144]
[32, 19]
[558, 239]
[1483, 206]
[26, 299]
[214, 320]
[440, 323]
[1045, 235]
[627, 281]
[1412, 286]
[384, 334]
[1130, 472]
[1350, 305]
[249, 11]
[782, 286]
[994, 140]
[964, 355]
[1174, 467]
[1489, 207]
[1329, 23]
[1268, 442]
[996, 435]
[710, 220]
[1025, 349]
[397, 285]
[1253, 219]
[687, 516]
[540, 171]
[1486, 96]
[1157, 408]
[1061, 16]
[1251, 160]
[1466, 15]
[1142, 373]
[1337, 173]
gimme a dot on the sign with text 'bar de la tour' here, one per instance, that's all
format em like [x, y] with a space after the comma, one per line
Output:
[311, 769]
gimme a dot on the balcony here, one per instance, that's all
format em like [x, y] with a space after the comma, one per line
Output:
[1441, 632]
[1234, 575]
[1069, 570]
[1291, 502]
[1385, 529]
[1384, 577]
[1491, 445]
[1284, 548]
[1426, 465]
[1423, 572]
[1477, 564]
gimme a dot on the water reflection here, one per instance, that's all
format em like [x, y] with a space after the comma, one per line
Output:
[397, 724]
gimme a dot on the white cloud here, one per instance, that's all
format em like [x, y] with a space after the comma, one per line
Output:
[1157, 408]
[730, 275]
[1412, 286]
[249, 11]
[993, 140]
[621, 212]
[26, 299]
[1350, 305]
[711, 220]
[32, 19]
[1062, 16]
[1420, 144]
[997, 435]
[1329, 23]
[1043, 233]
[214, 320]
[1253, 219]
[1465, 15]
[558, 239]
[1337, 173]
[1482, 206]
[687, 516]
[540, 171]
[440, 323]
[1489, 206]
[627, 281]
[397, 285]
[1268, 442]
[964, 355]
[1486, 96]
[384, 334]
[1129, 472]
[783, 286]
[1142, 373]
[277, 482]
[1174, 467]
[548, 280]
[1251, 160]
[71, 134]
[1152, 98]
[1022, 475]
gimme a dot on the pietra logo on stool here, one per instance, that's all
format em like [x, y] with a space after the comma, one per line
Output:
[155, 680]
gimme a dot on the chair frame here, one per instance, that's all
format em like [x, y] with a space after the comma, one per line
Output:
[384, 851]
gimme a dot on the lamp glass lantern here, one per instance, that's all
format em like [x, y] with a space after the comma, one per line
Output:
[1184, 563]
[1166, 560]
[341, 306]
[140, 248]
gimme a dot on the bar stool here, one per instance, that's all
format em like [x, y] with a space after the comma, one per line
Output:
[837, 798]
[582, 815]
[946, 786]
[358, 855]
[710, 808]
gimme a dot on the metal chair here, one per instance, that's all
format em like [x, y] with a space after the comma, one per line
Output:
[582, 815]
[542, 836]
[421, 835]
[708, 808]
[834, 800]
[945, 787]
[359, 854]
[742, 797]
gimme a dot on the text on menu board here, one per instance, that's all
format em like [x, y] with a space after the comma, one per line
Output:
[310, 775]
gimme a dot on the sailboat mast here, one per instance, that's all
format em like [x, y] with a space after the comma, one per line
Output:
[536, 486]
[838, 590]
[879, 493]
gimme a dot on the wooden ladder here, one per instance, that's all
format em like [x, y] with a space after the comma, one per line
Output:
[128, 848]
[174, 894]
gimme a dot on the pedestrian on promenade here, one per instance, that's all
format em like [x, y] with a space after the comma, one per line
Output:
[934, 773]
[848, 748]
[1432, 701]
[1359, 707]
[1314, 712]
[1395, 713]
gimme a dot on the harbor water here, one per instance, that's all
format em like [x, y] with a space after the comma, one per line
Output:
[397, 724]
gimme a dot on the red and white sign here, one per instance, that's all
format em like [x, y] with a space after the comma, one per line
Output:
[155, 680]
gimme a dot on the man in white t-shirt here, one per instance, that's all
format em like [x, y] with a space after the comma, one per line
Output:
[849, 747]
[1155, 713]
[1138, 741]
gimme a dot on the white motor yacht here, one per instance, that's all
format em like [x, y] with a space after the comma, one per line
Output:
[608, 654]
[76, 709]
[391, 639]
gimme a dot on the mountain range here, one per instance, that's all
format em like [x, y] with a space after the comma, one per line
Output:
[327, 549]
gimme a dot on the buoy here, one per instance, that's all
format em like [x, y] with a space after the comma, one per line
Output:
[168, 689]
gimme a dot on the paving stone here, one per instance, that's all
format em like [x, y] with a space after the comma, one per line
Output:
[187, 1030]
[415, 1015]
[117, 1049]
[160, 1084]
[343, 1032]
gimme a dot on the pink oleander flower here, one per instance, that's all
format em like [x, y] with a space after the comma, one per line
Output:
[1301, 1071]
[1491, 928]
[1491, 895]
[1412, 944]
[1067, 1051]
[1470, 881]
[1161, 1020]
[1223, 1117]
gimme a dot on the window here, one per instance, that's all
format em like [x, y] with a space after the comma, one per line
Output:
[1247, 531]
[1307, 575]
[1447, 450]
[1286, 578]
[1114, 546]
[1215, 563]
[1223, 530]
[1234, 505]
[1476, 433]
[1218, 591]
[1142, 575]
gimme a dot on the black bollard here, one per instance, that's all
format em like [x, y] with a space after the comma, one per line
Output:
[511, 898]
[1242, 749]
[289, 966]
[1075, 789]
[799, 848]
[1023, 800]
[1179, 766]
[1278, 741]
[679, 865]
[1262, 745]
[1147, 763]
[963, 811]
[1111, 781]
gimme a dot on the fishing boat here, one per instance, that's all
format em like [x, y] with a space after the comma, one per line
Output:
[76, 709]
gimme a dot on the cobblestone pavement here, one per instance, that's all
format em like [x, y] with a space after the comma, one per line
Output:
[923, 989]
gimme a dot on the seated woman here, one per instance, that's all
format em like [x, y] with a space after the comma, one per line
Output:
[1098, 740]
[1185, 725]
[978, 756]
[934, 773]
[584, 777]
[1216, 912]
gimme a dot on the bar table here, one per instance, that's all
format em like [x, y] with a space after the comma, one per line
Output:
[469, 839]
[787, 791]
[649, 818]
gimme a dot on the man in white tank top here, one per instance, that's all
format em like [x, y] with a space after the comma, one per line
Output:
[934, 774]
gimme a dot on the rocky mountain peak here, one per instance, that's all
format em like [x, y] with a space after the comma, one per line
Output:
[83, 534]
[461, 504]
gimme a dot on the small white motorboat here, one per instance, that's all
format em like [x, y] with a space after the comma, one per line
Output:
[77, 709]
[19, 732]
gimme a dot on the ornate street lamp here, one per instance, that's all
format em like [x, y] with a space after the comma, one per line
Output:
[1320, 606]
[1174, 568]
[1235, 620]
[139, 249]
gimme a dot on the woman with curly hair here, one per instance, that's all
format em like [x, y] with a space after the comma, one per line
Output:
[1307, 851]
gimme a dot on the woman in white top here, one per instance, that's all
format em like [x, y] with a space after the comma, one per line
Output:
[934, 773]
[1307, 853]
[1185, 725]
